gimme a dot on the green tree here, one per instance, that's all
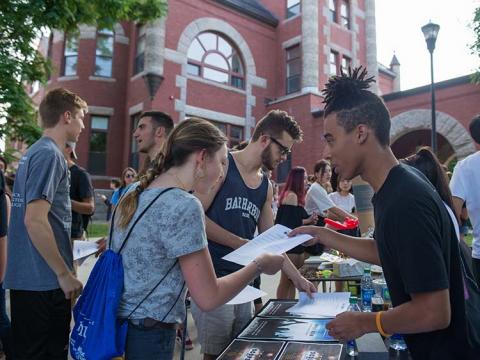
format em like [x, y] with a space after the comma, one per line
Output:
[476, 45]
[21, 24]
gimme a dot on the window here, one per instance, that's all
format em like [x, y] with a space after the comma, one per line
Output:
[97, 156]
[346, 63]
[70, 55]
[212, 57]
[140, 50]
[333, 61]
[49, 52]
[104, 53]
[234, 133]
[345, 14]
[293, 8]
[134, 160]
[294, 69]
[332, 10]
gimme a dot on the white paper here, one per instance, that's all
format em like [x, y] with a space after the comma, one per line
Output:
[83, 249]
[248, 294]
[327, 305]
[274, 241]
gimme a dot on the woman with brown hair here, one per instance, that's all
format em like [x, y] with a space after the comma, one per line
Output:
[129, 175]
[168, 251]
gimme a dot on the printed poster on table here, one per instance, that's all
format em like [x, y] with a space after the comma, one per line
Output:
[287, 329]
[303, 351]
[278, 309]
[252, 350]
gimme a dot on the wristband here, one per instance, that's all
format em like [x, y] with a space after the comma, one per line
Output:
[259, 267]
[378, 322]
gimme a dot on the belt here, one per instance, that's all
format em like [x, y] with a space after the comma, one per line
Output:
[150, 323]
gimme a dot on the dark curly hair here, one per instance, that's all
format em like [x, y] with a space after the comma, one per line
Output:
[347, 96]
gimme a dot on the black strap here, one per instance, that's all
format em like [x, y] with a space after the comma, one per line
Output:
[154, 288]
[134, 223]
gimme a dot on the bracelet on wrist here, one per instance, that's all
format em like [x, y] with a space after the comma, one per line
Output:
[378, 322]
[259, 267]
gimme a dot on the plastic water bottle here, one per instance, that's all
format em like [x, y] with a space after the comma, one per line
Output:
[352, 350]
[397, 343]
[367, 290]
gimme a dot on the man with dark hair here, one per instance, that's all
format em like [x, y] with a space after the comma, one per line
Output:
[465, 186]
[152, 129]
[415, 241]
[40, 259]
[234, 208]
[81, 193]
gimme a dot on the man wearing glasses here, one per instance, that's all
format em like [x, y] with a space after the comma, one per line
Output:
[239, 204]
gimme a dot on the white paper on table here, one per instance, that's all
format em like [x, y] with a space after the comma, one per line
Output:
[274, 241]
[83, 249]
[249, 293]
[325, 305]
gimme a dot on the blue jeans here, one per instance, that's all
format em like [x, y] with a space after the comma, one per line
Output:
[149, 343]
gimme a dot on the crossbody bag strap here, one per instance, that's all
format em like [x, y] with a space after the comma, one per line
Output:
[135, 222]
[154, 288]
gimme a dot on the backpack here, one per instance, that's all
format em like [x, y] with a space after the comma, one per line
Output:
[97, 333]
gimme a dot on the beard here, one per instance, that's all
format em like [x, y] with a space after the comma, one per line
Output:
[267, 158]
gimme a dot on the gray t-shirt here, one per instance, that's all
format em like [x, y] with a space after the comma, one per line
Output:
[172, 227]
[42, 174]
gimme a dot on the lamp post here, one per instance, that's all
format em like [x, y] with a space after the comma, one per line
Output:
[430, 31]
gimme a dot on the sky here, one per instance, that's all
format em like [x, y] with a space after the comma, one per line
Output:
[399, 31]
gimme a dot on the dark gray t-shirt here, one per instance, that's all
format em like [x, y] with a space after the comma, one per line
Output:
[172, 227]
[42, 174]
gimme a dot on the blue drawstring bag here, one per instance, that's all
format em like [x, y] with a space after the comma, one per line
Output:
[97, 333]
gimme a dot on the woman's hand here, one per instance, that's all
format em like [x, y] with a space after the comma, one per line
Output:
[312, 220]
[303, 284]
[269, 264]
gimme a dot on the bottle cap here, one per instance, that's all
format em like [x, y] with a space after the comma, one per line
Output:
[353, 300]
[366, 270]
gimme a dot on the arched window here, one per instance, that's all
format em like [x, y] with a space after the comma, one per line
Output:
[213, 57]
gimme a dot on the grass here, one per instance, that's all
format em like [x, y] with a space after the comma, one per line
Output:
[97, 229]
[468, 239]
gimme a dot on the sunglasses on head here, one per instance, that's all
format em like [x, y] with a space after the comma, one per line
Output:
[129, 175]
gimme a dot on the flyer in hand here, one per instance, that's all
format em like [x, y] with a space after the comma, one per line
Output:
[249, 350]
[287, 329]
[301, 351]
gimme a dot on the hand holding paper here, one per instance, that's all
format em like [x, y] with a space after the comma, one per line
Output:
[274, 241]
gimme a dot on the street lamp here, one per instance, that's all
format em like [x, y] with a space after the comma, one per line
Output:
[430, 31]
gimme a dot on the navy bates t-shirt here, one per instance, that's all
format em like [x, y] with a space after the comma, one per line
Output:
[236, 208]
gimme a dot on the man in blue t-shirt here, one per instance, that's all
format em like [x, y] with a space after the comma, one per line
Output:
[239, 204]
[40, 260]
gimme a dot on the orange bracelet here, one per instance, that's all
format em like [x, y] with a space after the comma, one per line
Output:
[378, 322]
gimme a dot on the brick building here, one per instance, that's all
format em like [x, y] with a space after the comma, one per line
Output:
[231, 61]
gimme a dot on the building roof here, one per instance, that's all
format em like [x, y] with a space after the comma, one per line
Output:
[394, 61]
[387, 71]
[252, 8]
[467, 79]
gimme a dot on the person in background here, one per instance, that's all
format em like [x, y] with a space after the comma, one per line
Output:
[129, 175]
[81, 193]
[170, 242]
[114, 185]
[40, 258]
[465, 186]
[150, 134]
[291, 213]
[317, 200]
[413, 230]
